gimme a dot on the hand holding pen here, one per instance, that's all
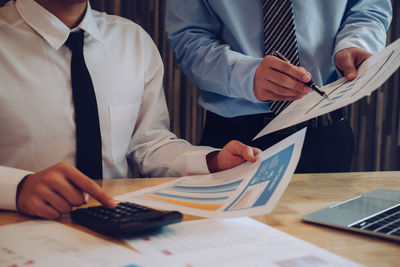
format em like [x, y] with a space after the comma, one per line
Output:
[276, 79]
[310, 84]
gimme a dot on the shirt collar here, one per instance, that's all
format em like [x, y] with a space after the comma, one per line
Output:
[53, 30]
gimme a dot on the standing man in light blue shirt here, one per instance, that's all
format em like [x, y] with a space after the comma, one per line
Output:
[219, 44]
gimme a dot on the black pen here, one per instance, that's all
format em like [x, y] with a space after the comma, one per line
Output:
[311, 84]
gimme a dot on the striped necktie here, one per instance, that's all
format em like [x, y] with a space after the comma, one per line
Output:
[280, 35]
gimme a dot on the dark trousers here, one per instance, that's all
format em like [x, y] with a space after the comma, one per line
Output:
[328, 147]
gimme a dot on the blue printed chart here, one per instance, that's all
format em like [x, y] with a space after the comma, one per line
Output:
[264, 182]
[246, 190]
[371, 75]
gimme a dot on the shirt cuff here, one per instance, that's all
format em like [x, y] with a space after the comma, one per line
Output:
[350, 44]
[9, 180]
[242, 78]
[195, 162]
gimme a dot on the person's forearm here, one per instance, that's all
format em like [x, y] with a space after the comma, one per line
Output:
[365, 25]
[193, 33]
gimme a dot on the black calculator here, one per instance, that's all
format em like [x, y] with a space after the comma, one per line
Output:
[125, 219]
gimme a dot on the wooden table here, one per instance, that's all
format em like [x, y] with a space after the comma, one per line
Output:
[305, 193]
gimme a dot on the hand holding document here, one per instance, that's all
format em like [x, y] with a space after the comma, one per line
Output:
[371, 75]
[247, 190]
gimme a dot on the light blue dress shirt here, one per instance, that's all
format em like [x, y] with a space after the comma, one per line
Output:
[220, 43]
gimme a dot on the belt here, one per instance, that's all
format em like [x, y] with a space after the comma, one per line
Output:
[264, 119]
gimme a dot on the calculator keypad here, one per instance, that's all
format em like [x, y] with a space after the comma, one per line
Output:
[126, 217]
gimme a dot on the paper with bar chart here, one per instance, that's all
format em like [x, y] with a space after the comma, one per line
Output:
[371, 75]
[247, 190]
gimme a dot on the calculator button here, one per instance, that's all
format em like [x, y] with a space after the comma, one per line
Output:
[125, 218]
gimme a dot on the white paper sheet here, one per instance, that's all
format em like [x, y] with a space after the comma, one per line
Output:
[371, 75]
[49, 243]
[247, 190]
[232, 242]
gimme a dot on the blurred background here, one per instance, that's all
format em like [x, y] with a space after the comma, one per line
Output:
[375, 119]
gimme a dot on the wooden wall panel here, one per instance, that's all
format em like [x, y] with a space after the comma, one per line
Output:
[376, 119]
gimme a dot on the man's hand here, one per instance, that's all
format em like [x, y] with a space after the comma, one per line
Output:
[348, 60]
[54, 191]
[231, 155]
[276, 79]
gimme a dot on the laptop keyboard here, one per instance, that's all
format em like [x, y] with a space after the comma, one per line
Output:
[387, 222]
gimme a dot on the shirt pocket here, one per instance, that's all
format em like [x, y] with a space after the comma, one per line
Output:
[122, 120]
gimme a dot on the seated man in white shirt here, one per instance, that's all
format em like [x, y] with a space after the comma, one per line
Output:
[38, 143]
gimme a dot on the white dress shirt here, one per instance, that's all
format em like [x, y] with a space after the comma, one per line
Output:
[37, 127]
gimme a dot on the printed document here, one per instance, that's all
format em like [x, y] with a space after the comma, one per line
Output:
[232, 242]
[371, 75]
[247, 190]
[48, 243]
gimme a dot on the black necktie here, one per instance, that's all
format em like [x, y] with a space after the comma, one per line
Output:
[88, 136]
[280, 35]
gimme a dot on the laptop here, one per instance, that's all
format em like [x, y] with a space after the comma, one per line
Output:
[375, 213]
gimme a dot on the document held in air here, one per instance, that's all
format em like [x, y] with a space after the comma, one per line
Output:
[247, 190]
[371, 75]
